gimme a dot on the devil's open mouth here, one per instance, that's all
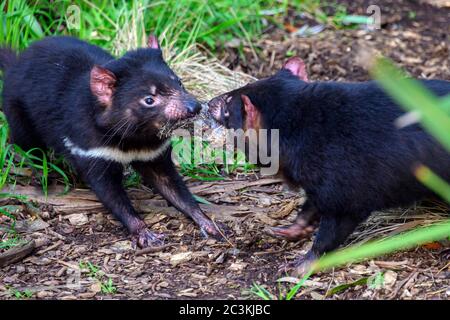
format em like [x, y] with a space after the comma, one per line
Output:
[167, 127]
[207, 116]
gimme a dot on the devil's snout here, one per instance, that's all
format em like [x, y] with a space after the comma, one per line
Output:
[215, 106]
[193, 106]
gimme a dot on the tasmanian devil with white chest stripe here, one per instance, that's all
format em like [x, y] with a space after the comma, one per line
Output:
[103, 113]
[339, 142]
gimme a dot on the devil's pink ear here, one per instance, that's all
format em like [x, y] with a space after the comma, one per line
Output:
[252, 114]
[297, 67]
[153, 42]
[102, 84]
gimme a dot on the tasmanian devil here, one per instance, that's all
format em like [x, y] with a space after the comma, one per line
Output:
[103, 113]
[339, 142]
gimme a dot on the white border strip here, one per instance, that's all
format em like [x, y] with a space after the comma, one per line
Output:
[115, 154]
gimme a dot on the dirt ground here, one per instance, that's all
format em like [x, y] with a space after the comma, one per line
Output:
[75, 228]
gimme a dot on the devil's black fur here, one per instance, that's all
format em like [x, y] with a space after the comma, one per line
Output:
[65, 94]
[339, 142]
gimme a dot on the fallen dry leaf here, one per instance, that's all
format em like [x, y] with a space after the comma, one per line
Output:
[432, 246]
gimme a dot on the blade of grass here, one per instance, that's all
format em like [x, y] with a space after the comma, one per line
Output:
[400, 242]
[412, 96]
[433, 182]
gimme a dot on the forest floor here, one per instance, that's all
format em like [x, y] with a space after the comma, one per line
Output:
[84, 253]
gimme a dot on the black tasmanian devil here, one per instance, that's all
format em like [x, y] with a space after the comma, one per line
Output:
[102, 113]
[339, 142]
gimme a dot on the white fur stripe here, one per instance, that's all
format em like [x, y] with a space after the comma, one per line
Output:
[115, 154]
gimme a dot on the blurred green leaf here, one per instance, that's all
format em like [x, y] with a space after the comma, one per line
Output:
[355, 19]
[410, 94]
[345, 286]
[433, 181]
[377, 248]
[201, 200]
[34, 25]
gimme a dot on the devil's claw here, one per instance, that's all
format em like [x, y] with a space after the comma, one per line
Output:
[300, 267]
[216, 230]
[304, 265]
[145, 238]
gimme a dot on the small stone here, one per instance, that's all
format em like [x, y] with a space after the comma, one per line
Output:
[238, 266]
[233, 43]
[140, 260]
[179, 258]
[390, 277]
[265, 201]
[44, 294]
[121, 246]
[45, 215]
[316, 295]
[96, 287]
[234, 251]
[20, 269]
[99, 218]
[78, 219]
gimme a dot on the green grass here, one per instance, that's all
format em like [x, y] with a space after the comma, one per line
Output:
[288, 293]
[17, 294]
[106, 283]
[188, 21]
[108, 287]
[13, 162]
[264, 294]
[93, 270]
[208, 23]
[329, 13]
[199, 169]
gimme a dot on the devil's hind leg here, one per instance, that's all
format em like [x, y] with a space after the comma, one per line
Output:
[21, 129]
[334, 229]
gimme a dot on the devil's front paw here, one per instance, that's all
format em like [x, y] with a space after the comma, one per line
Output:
[300, 267]
[145, 238]
[293, 232]
[216, 230]
[303, 265]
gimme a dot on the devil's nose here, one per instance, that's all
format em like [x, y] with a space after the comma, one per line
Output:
[193, 107]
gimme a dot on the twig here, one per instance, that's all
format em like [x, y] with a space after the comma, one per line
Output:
[17, 253]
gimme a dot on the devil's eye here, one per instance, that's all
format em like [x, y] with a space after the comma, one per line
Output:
[148, 101]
